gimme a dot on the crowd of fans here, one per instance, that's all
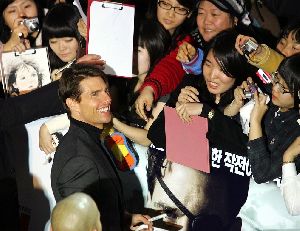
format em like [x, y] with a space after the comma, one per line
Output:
[201, 57]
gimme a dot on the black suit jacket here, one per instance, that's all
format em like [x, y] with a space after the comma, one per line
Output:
[23, 109]
[81, 165]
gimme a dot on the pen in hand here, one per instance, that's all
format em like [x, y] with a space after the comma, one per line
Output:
[161, 216]
[64, 67]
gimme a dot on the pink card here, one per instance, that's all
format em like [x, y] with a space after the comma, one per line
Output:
[186, 144]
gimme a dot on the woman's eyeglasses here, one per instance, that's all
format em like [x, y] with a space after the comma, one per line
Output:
[275, 81]
[178, 10]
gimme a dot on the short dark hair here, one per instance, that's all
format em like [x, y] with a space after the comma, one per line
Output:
[289, 69]
[69, 83]
[294, 29]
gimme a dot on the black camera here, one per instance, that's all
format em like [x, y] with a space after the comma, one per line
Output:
[249, 46]
[32, 24]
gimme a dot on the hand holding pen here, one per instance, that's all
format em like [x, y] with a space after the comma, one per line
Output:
[60, 70]
[170, 213]
[143, 226]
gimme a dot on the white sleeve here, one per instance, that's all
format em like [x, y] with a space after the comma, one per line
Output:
[290, 188]
[58, 123]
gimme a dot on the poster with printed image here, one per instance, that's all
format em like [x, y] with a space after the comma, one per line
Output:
[26, 71]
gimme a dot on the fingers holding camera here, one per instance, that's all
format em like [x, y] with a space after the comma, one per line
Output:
[260, 107]
[239, 96]
[234, 107]
[247, 84]
[17, 38]
[240, 41]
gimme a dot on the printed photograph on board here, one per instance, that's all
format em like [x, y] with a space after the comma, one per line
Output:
[24, 72]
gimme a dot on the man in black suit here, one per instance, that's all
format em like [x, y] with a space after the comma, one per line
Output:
[81, 163]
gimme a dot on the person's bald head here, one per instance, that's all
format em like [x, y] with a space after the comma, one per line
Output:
[76, 212]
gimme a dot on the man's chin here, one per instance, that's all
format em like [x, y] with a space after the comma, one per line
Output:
[107, 119]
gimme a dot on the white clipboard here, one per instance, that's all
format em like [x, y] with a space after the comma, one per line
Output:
[26, 71]
[111, 27]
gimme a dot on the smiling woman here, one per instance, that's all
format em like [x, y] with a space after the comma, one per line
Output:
[212, 197]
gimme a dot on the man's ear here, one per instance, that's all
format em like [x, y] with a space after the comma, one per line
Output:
[73, 105]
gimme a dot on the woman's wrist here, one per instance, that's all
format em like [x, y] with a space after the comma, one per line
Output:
[148, 89]
[7, 47]
[233, 108]
[288, 161]
[288, 158]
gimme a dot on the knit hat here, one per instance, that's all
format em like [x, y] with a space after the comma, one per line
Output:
[236, 8]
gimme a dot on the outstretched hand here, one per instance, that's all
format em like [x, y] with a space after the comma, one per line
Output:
[139, 218]
[144, 102]
[186, 52]
[92, 59]
[45, 140]
[188, 95]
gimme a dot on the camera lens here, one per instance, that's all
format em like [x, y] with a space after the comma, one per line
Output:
[33, 27]
[248, 94]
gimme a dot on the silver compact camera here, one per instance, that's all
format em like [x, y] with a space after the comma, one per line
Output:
[249, 46]
[250, 93]
[32, 24]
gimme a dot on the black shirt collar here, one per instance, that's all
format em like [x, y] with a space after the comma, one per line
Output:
[93, 131]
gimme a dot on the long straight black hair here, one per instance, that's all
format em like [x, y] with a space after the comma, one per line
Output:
[186, 27]
[61, 21]
[155, 39]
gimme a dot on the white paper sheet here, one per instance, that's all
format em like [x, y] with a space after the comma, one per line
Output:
[111, 36]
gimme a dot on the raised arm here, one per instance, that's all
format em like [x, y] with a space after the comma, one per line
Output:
[139, 135]
[37, 104]
[163, 79]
